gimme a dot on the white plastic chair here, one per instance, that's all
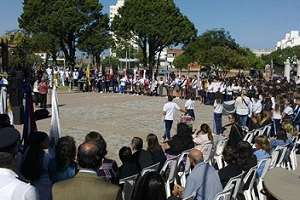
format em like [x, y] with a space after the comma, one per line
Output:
[152, 168]
[292, 164]
[128, 186]
[184, 159]
[282, 155]
[171, 167]
[250, 178]
[249, 137]
[225, 194]
[266, 163]
[266, 130]
[218, 153]
[236, 182]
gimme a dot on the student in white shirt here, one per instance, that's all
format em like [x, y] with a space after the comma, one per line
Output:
[190, 106]
[276, 118]
[288, 111]
[218, 109]
[242, 108]
[169, 111]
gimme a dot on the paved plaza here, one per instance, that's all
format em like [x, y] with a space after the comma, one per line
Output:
[117, 117]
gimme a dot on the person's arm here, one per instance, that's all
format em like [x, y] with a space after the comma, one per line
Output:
[165, 146]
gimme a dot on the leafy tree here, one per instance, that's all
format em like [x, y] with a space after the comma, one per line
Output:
[152, 25]
[281, 55]
[66, 20]
[217, 48]
[182, 61]
[112, 62]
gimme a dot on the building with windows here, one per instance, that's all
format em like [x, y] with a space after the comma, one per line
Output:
[291, 39]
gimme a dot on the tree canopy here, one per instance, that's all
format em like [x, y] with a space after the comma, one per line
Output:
[152, 25]
[281, 55]
[67, 21]
[217, 47]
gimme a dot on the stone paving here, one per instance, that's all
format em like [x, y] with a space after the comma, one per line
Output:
[117, 117]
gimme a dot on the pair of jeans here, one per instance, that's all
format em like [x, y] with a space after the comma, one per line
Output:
[218, 123]
[168, 127]
[243, 120]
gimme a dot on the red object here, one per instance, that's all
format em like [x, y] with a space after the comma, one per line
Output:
[43, 88]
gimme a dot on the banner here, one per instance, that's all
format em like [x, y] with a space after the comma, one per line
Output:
[55, 130]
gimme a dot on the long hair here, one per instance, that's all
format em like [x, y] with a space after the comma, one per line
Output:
[65, 152]
[206, 129]
[32, 164]
[153, 144]
[151, 186]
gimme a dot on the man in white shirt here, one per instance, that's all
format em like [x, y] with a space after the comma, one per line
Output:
[11, 187]
[169, 111]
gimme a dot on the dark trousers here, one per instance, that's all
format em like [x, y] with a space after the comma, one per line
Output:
[168, 127]
[218, 123]
[36, 98]
[43, 99]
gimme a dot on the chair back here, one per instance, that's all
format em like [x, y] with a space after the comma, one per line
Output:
[249, 178]
[169, 169]
[152, 168]
[266, 130]
[236, 182]
[128, 179]
[249, 137]
[225, 194]
[128, 186]
[220, 146]
[266, 163]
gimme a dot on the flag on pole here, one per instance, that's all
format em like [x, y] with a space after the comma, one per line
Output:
[29, 121]
[55, 130]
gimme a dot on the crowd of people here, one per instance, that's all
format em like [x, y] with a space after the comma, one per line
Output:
[72, 172]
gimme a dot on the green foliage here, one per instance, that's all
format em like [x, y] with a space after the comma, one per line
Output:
[218, 48]
[182, 61]
[110, 62]
[281, 55]
[153, 25]
[65, 20]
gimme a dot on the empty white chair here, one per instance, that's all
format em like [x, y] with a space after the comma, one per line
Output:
[225, 194]
[235, 182]
[184, 163]
[218, 153]
[292, 163]
[152, 168]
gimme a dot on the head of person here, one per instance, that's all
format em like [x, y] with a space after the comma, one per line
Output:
[196, 157]
[89, 156]
[230, 155]
[65, 151]
[153, 144]
[297, 100]
[136, 144]
[205, 129]
[262, 143]
[232, 118]
[151, 186]
[184, 130]
[125, 154]
[96, 137]
[32, 164]
[281, 135]
[170, 98]
[4, 121]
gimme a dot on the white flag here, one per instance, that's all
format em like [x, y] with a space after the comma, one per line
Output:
[55, 130]
[3, 100]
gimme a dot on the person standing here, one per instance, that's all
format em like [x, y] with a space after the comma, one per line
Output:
[218, 109]
[169, 111]
[190, 106]
[242, 107]
[43, 91]
[296, 118]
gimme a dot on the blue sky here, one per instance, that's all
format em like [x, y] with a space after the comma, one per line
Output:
[253, 23]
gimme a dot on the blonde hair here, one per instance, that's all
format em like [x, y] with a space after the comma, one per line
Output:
[263, 142]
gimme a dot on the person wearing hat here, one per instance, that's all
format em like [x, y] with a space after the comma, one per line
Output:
[11, 186]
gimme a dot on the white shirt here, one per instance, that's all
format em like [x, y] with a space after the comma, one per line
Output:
[276, 115]
[218, 108]
[288, 110]
[242, 106]
[11, 188]
[190, 104]
[49, 72]
[3, 81]
[256, 106]
[75, 75]
[170, 109]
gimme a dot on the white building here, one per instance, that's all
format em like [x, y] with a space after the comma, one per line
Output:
[291, 39]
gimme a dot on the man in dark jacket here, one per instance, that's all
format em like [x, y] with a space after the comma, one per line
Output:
[141, 157]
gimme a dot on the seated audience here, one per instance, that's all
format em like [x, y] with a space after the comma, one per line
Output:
[263, 149]
[108, 168]
[141, 157]
[128, 167]
[63, 166]
[180, 142]
[203, 180]
[151, 186]
[86, 184]
[232, 169]
[281, 139]
[9, 141]
[246, 157]
[35, 164]
[203, 140]
[236, 134]
[157, 154]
